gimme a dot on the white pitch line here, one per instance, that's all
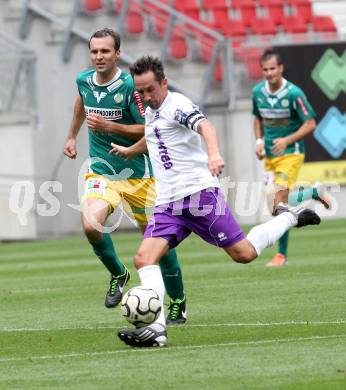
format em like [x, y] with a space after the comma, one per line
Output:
[230, 325]
[177, 348]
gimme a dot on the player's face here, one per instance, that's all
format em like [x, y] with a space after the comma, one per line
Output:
[103, 55]
[152, 92]
[272, 72]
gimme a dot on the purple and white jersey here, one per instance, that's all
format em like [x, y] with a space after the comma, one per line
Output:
[175, 148]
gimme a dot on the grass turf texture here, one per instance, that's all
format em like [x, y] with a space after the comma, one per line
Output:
[249, 327]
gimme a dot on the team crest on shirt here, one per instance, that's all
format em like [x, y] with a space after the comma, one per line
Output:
[285, 103]
[118, 97]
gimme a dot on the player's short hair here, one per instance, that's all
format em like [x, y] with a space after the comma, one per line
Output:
[146, 64]
[107, 32]
[268, 54]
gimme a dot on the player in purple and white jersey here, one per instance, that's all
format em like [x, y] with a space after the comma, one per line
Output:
[189, 198]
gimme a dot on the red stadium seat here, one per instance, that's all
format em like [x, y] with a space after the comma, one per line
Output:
[92, 5]
[303, 8]
[218, 10]
[323, 24]
[247, 10]
[275, 9]
[234, 28]
[294, 25]
[189, 8]
[134, 22]
[263, 26]
[178, 47]
[250, 57]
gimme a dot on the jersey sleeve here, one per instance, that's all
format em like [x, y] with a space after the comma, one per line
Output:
[302, 106]
[136, 105]
[187, 114]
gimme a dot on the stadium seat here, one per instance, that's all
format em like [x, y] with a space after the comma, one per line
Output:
[92, 5]
[247, 10]
[263, 26]
[250, 57]
[323, 24]
[294, 25]
[178, 49]
[275, 9]
[303, 9]
[217, 11]
[134, 22]
[233, 28]
[189, 8]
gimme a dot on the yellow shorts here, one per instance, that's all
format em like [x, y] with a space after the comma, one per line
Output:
[136, 195]
[283, 170]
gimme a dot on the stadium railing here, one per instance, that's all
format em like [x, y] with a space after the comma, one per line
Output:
[219, 50]
[18, 64]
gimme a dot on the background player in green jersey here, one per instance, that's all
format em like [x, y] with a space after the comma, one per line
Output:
[283, 118]
[114, 113]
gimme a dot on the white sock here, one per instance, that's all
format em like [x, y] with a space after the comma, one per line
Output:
[265, 235]
[150, 276]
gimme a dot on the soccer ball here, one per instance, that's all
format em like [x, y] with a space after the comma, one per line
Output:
[141, 306]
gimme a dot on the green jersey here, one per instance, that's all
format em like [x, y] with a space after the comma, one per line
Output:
[281, 113]
[116, 101]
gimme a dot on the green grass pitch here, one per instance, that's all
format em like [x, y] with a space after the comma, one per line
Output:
[249, 327]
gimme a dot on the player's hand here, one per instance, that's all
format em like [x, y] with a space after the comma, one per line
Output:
[121, 151]
[280, 145]
[96, 122]
[215, 164]
[260, 151]
[70, 148]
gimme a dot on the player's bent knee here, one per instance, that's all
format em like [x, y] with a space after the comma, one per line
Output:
[92, 234]
[141, 259]
[242, 252]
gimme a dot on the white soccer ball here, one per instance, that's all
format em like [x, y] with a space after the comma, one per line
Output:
[141, 306]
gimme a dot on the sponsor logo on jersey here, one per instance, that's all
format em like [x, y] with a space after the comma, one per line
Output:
[118, 97]
[110, 114]
[157, 115]
[139, 103]
[163, 152]
[99, 96]
[96, 186]
[302, 106]
[115, 85]
[90, 83]
[222, 236]
[274, 113]
[84, 93]
[272, 101]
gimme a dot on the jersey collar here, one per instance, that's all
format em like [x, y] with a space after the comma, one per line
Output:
[283, 86]
[116, 76]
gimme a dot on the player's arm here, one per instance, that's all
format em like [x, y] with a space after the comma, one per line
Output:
[70, 149]
[215, 160]
[260, 151]
[129, 152]
[98, 123]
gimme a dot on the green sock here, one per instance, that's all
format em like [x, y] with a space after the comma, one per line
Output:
[105, 251]
[283, 244]
[172, 276]
[296, 197]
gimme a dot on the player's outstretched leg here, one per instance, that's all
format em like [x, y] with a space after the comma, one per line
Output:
[116, 287]
[154, 335]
